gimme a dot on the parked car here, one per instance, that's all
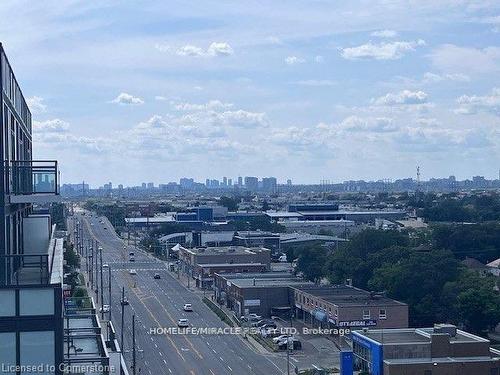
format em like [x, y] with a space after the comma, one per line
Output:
[269, 326]
[182, 323]
[270, 332]
[131, 259]
[125, 301]
[104, 308]
[293, 342]
[188, 307]
[261, 322]
[157, 276]
[251, 318]
[281, 338]
[132, 272]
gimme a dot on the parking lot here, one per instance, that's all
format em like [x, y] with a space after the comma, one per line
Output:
[315, 349]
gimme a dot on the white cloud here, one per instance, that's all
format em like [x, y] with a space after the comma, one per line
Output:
[210, 105]
[36, 105]
[405, 97]
[243, 119]
[161, 98]
[432, 139]
[219, 49]
[51, 126]
[455, 59]
[433, 77]
[319, 59]
[368, 124]
[190, 50]
[215, 49]
[384, 34]
[315, 82]
[474, 104]
[127, 99]
[381, 51]
[293, 60]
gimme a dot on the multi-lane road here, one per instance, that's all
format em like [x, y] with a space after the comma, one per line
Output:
[158, 303]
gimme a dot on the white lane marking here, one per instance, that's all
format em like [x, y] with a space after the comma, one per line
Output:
[230, 369]
[221, 359]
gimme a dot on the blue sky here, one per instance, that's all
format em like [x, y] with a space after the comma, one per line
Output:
[308, 90]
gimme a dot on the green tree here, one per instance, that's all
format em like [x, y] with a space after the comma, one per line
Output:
[311, 262]
[230, 203]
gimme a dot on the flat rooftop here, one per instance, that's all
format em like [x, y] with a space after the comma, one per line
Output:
[229, 250]
[267, 279]
[208, 265]
[343, 295]
[414, 335]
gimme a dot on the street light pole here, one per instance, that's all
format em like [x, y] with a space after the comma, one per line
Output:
[109, 291]
[102, 296]
[123, 312]
[133, 345]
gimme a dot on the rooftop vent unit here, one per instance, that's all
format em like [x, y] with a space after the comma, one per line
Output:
[450, 329]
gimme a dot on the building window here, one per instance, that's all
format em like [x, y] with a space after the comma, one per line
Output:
[366, 314]
[8, 305]
[8, 350]
[37, 347]
[427, 372]
[382, 314]
[36, 301]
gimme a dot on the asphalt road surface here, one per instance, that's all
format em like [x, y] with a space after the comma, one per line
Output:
[159, 303]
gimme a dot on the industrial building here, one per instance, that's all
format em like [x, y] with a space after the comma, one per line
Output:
[297, 214]
[439, 350]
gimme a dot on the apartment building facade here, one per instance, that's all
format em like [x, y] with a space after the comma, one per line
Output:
[31, 257]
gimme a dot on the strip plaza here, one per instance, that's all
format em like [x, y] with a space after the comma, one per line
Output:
[244, 331]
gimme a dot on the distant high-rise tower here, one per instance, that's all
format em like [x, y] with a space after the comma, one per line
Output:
[240, 181]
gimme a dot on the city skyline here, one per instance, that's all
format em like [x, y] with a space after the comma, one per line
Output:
[347, 91]
[239, 181]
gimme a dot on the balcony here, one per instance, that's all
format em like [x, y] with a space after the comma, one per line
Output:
[33, 181]
[35, 268]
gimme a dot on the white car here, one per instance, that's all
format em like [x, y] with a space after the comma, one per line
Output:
[104, 308]
[132, 272]
[281, 338]
[188, 307]
[182, 323]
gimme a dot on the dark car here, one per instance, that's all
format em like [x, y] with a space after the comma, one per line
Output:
[297, 345]
[157, 276]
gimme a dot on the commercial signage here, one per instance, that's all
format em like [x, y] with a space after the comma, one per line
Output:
[251, 302]
[358, 323]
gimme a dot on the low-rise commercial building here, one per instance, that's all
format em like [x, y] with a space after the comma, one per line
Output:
[347, 306]
[202, 262]
[264, 294]
[440, 350]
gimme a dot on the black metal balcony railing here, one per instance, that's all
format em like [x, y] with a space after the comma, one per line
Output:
[33, 177]
[24, 269]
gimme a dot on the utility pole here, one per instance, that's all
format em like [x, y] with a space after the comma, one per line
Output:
[96, 275]
[123, 312]
[102, 296]
[133, 345]
[109, 290]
